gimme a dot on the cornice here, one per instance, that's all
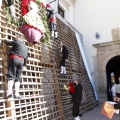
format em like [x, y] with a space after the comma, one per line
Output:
[72, 1]
[106, 44]
[68, 3]
[65, 3]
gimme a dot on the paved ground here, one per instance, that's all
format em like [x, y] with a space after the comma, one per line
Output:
[95, 114]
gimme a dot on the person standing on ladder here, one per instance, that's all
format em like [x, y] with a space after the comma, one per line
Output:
[17, 62]
[65, 53]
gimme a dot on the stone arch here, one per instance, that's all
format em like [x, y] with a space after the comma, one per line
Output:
[103, 73]
[105, 52]
[106, 60]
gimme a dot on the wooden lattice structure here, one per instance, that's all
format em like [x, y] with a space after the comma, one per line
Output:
[44, 97]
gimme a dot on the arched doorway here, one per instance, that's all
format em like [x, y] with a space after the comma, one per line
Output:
[113, 66]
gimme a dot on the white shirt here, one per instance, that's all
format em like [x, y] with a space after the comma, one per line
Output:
[117, 87]
[61, 49]
[113, 90]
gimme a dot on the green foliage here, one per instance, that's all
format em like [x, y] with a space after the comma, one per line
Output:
[37, 1]
[9, 18]
[46, 37]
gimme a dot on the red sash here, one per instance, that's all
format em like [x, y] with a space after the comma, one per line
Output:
[13, 56]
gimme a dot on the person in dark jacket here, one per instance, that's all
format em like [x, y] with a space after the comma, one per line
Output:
[65, 53]
[17, 62]
[76, 98]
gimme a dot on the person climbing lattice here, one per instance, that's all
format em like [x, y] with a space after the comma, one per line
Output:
[65, 53]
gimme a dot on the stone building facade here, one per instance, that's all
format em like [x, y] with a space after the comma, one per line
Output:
[105, 52]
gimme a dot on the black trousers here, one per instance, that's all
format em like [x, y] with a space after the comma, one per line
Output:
[15, 69]
[76, 106]
[62, 62]
[52, 26]
[10, 2]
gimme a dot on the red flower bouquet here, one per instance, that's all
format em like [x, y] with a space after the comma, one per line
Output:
[72, 89]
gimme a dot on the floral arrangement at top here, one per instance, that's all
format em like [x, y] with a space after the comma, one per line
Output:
[31, 24]
[34, 26]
